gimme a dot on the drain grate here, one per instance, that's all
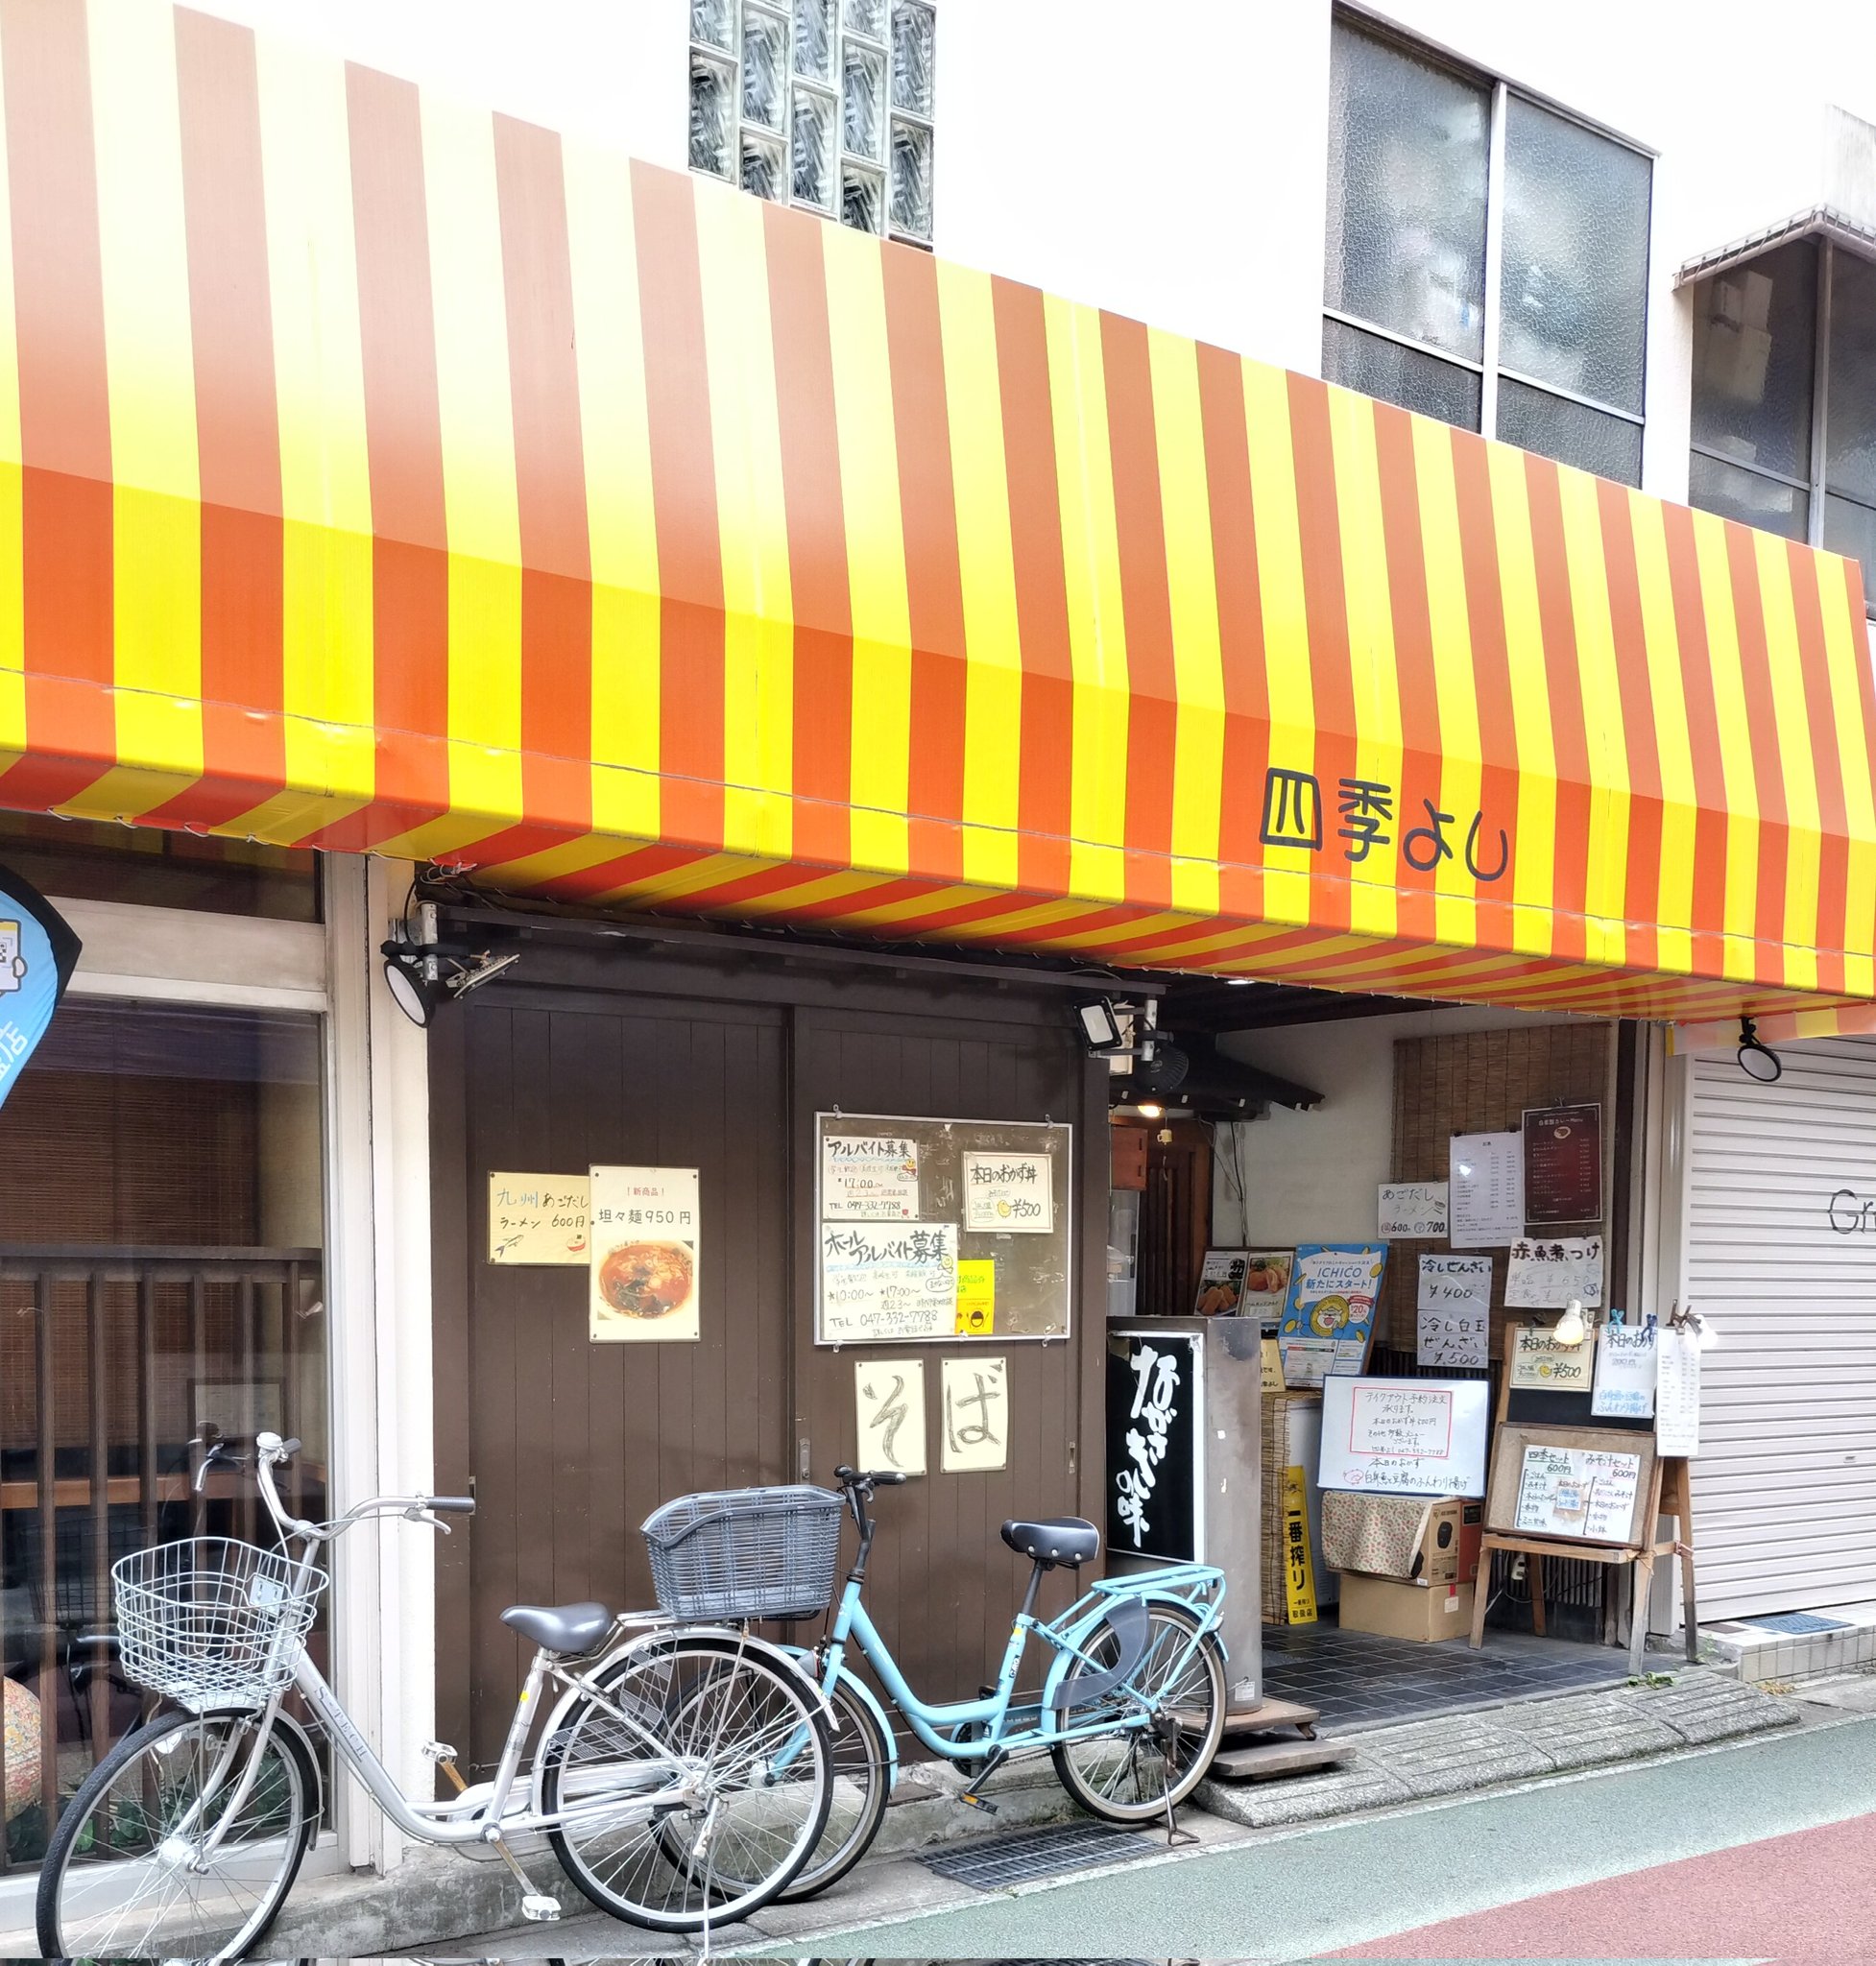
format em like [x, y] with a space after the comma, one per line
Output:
[993, 1862]
[1796, 1621]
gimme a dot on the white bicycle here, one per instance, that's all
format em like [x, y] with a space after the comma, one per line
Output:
[683, 1780]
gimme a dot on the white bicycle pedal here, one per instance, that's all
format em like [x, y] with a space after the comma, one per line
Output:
[540, 1910]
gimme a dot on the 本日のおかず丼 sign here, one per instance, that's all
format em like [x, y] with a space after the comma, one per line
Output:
[1154, 1394]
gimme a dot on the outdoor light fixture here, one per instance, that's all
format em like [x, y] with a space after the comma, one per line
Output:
[1571, 1329]
[420, 984]
[1150, 1111]
[1758, 1061]
[1101, 1028]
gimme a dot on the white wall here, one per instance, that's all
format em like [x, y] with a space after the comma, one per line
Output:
[1312, 1177]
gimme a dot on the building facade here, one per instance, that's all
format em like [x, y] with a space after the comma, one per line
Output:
[663, 571]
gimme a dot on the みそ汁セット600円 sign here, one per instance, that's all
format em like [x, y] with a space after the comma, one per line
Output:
[644, 1229]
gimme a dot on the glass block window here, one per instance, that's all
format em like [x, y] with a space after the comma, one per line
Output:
[1486, 258]
[1783, 405]
[826, 104]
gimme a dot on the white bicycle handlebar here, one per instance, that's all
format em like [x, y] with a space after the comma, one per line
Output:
[272, 1452]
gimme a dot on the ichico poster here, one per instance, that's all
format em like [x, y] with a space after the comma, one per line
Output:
[38, 955]
[1329, 1320]
[646, 1281]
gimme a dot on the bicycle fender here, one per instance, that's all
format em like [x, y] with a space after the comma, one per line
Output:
[1126, 1618]
[867, 1697]
[788, 1657]
[1096, 1615]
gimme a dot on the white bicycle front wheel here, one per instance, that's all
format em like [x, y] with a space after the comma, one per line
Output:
[711, 1818]
[130, 1872]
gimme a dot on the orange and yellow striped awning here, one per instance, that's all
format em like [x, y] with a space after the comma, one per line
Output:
[384, 475]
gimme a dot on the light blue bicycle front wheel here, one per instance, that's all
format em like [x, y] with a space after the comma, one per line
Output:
[1151, 1761]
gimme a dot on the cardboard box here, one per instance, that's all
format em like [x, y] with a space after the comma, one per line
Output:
[1448, 1544]
[1425, 1613]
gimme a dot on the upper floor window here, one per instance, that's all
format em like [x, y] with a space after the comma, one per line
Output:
[1784, 409]
[1487, 257]
[822, 103]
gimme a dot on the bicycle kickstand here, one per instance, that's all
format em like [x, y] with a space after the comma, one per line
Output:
[1176, 1839]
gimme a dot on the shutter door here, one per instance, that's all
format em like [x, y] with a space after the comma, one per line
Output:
[1784, 1487]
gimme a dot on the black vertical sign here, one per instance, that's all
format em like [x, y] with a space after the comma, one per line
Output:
[1152, 1445]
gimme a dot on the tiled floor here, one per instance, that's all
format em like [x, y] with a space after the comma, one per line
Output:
[1358, 1680]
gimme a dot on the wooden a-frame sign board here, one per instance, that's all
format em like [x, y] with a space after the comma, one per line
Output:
[1662, 1488]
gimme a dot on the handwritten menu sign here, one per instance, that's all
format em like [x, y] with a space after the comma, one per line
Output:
[1563, 1164]
[1586, 1492]
[1153, 1446]
[1538, 1362]
[1405, 1436]
[1486, 1181]
[538, 1218]
[1008, 1195]
[888, 1281]
[1330, 1316]
[1545, 1272]
[1626, 1368]
[1677, 1394]
[1414, 1211]
[1456, 1311]
[646, 1223]
[869, 1178]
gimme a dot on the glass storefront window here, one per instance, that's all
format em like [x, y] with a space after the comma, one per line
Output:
[92, 860]
[161, 1233]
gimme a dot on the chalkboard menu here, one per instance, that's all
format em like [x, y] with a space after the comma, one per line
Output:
[1153, 1413]
[1563, 1164]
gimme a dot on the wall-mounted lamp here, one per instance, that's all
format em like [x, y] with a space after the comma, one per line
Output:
[1101, 1028]
[422, 977]
[1758, 1061]
[1571, 1329]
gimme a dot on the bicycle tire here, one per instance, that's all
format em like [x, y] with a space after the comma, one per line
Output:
[862, 1762]
[665, 1888]
[66, 1929]
[1199, 1688]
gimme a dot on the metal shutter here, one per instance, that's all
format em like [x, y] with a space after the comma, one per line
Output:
[1784, 1487]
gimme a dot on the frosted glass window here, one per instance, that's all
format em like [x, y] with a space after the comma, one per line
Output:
[813, 149]
[712, 116]
[911, 178]
[713, 21]
[1851, 528]
[913, 38]
[764, 68]
[1574, 297]
[863, 102]
[864, 17]
[814, 39]
[1407, 153]
[762, 167]
[862, 200]
[1746, 496]
[1553, 426]
[1850, 421]
[1755, 337]
[1399, 374]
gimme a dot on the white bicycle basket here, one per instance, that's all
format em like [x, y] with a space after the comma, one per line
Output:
[212, 1619]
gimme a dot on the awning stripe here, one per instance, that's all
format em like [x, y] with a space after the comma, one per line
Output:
[390, 474]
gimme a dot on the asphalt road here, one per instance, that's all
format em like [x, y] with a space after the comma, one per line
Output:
[1760, 1851]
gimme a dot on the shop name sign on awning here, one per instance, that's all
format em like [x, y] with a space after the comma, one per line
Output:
[386, 475]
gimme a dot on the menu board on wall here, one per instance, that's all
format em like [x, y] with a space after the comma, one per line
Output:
[1563, 1164]
[1538, 1362]
[1405, 1436]
[1153, 1458]
[932, 1229]
[1485, 1189]
[1547, 1271]
[1677, 1393]
[1626, 1368]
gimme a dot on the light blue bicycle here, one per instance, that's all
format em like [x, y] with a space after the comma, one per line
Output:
[1131, 1709]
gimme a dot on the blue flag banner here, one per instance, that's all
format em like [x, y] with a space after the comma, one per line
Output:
[38, 955]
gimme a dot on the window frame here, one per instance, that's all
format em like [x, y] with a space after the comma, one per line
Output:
[833, 91]
[1488, 368]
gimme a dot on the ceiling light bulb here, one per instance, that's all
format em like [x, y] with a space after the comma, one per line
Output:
[1571, 1329]
[1148, 1111]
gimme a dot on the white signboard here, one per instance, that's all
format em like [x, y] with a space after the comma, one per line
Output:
[1626, 1368]
[1487, 1180]
[1581, 1491]
[888, 1281]
[869, 1178]
[1414, 1209]
[1456, 1311]
[1008, 1195]
[1405, 1436]
[1677, 1394]
[644, 1274]
[1545, 1272]
[1539, 1363]
[976, 1431]
[889, 1405]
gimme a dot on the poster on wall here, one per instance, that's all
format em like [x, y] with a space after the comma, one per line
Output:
[1545, 1272]
[1539, 1363]
[889, 1412]
[644, 1262]
[1405, 1436]
[1329, 1319]
[1222, 1282]
[1267, 1286]
[869, 1178]
[538, 1218]
[977, 1296]
[1009, 1194]
[1588, 1492]
[1414, 1211]
[1455, 1311]
[1153, 1457]
[888, 1281]
[975, 1431]
[1563, 1164]
[1677, 1393]
[1486, 1189]
[38, 955]
[1626, 1368]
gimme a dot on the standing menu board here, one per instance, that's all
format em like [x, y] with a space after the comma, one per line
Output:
[1153, 1408]
[941, 1228]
